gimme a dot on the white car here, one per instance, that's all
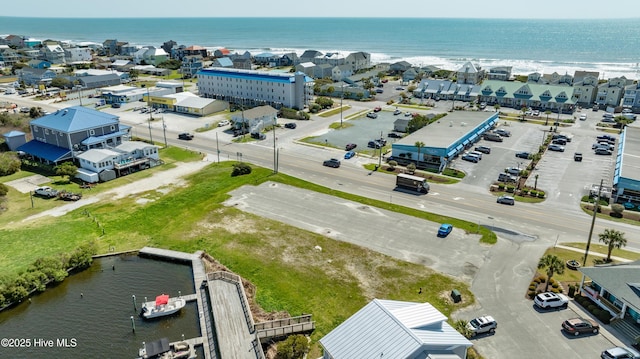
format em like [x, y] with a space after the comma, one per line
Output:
[223, 123]
[620, 353]
[551, 300]
[481, 325]
[583, 117]
[554, 147]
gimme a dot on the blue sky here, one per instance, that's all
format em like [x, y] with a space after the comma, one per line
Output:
[541, 9]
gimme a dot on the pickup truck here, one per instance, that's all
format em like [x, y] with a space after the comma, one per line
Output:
[46, 192]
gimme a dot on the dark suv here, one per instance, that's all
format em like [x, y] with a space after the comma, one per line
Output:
[333, 162]
[185, 136]
[350, 146]
[483, 149]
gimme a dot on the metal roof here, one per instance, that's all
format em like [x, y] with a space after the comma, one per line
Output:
[74, 119]
[98, 155]
[393, 329]
[630, 154]
[129, 146]
[45, 150]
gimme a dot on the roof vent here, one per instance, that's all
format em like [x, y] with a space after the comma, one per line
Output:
[65, 112]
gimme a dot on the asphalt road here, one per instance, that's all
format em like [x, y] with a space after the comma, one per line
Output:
[499, 274]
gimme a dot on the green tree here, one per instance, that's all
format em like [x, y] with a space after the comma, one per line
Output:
[61, 82]
[416, 123]
[3, 189]
[622, 122]
[411, 167]
[9, 164]
[393, 164]
[546, 122]
[553, 265]
[496, 107]
[612, 239]
[66, 169]
[617, 210]
[294, 347]
[324, 102]
[419, 145]
[35, 112]
[134, 74]
[461, 326]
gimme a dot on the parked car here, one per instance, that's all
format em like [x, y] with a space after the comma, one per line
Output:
[470, 157]
[502, 132]
[559, 141]
[115, 105]
[476, 153]
[332, 162]
[407, 114]
[583, 117]
[505, 177]
[379, 90]
[372, 115]
[480, 325]
[607, 138]
[399, 88]
[513, 171]
[46, 192]
[444, 230]
[349, 154]
[394, 135]
[483, 105]
[603, 151]
[561, 136]
[185, 136]
[577, 326]
[536, 113]
[524, 155]
[506, 200]
[397, 112]
[483, 149]
[25, 109]
[223, 123]
[374, 144]
[290, 125]
[620, 353]
[551, 300]
[350, 146]
[605, 145]
[555, 147]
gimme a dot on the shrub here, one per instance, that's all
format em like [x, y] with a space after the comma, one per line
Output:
[541, 194]
[604, 317]
[533, 287]
[531, 294]
[537, 280]
[555, 285]
[591, 307]
[240, 169]
[533, 193]
[543, 279]
[3, 189]
[393, 164]
[572, 291]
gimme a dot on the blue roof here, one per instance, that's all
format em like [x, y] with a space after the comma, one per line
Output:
[44, 150]
[225, 61]
[74, 119]
[263, 76]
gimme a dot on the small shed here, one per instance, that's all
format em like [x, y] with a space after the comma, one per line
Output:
[15, 139]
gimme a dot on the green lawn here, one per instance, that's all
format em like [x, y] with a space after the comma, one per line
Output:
[289, 273]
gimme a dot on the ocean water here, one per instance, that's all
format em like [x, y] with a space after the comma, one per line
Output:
[611, 47]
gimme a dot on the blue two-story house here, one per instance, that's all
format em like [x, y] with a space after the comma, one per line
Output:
[65, 134]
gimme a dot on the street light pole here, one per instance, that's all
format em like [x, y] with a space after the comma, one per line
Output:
[341, 97]
[593, 221]
[164, 132]
[150, 116]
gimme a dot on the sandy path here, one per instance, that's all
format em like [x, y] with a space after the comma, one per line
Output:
[172, 177]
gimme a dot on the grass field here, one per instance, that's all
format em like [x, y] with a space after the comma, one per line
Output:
[282, 261]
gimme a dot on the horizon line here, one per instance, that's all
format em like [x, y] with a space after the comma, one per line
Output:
[320, 17]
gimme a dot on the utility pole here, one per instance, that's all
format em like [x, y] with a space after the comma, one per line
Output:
[593, 221]
[217, 147]
[150, 116]
[275, 163]
[164, 132]
[341, 97]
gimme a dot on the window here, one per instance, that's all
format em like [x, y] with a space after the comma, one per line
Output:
[92, 132]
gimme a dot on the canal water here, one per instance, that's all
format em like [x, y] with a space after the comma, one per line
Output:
[89, 314]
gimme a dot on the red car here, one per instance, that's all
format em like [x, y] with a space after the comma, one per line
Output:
[377, 109]
[577, 326]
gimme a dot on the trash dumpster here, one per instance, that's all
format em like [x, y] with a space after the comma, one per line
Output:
[455, 295]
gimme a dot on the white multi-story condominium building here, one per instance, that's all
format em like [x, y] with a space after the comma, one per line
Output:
[252, 88]
[631, 97]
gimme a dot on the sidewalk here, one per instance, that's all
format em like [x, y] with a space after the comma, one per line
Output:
[617, 259]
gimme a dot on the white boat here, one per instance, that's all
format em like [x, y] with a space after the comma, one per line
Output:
[163, 305]
[162, 349]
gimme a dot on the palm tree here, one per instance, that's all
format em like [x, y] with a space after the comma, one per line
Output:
[553, 265]
[419, 145]
[547, 112]
[613, 239]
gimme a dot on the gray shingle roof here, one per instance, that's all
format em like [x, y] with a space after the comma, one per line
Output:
[621, 280]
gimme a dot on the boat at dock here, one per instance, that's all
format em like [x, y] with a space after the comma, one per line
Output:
[162, 306]
[162, 349]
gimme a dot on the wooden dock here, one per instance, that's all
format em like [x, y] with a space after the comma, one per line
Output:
[167, 254]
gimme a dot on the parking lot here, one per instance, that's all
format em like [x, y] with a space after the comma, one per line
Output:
[364, 129]
[564, 180]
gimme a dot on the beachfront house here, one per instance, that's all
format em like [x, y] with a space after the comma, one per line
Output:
[585, 90]
[53, 53]
[631, 97]
[31, 76]
[395, 329]
[610, 93]
[191, 64]
[502, 73]
[469, 74]
[306, 68]
[340, 73]
[78, 54]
